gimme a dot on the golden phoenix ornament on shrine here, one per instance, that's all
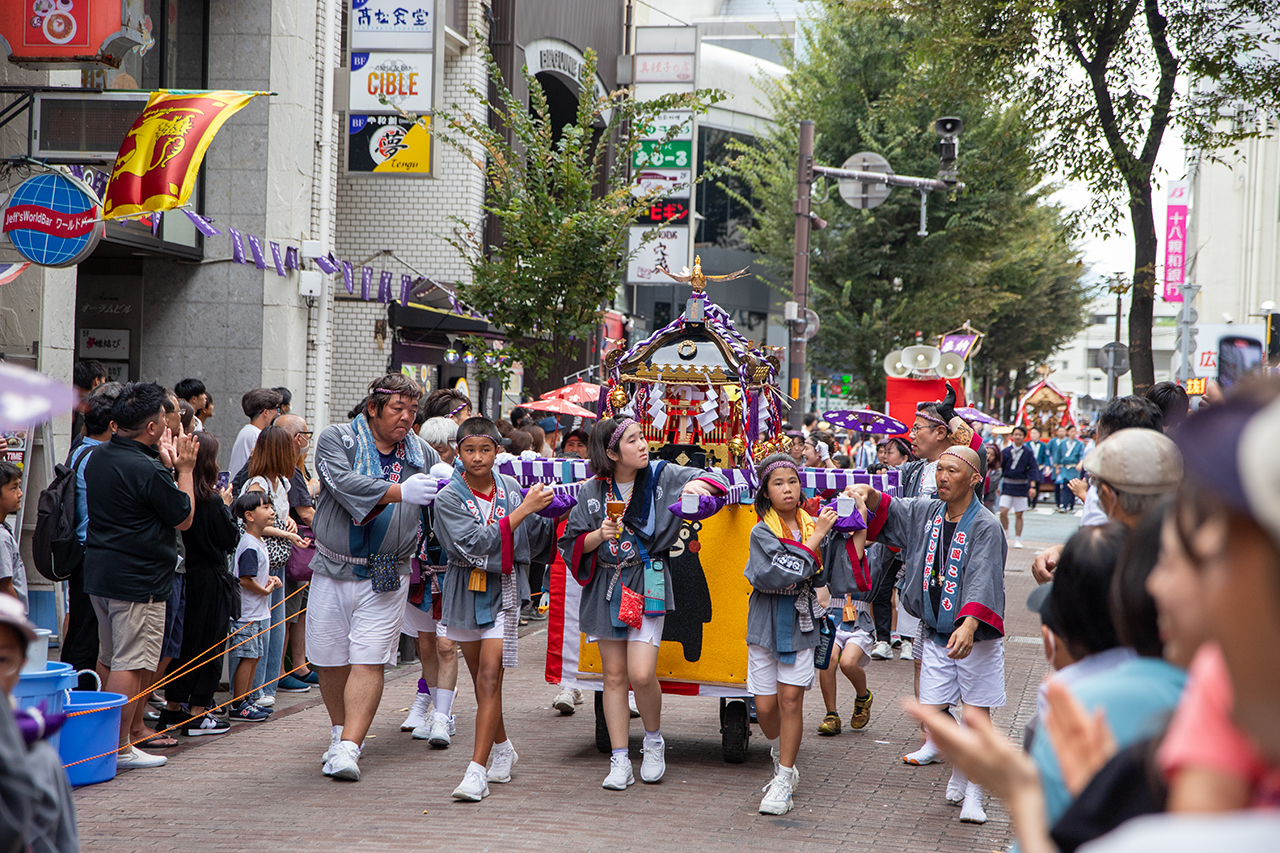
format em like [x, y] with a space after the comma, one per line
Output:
[697, 278]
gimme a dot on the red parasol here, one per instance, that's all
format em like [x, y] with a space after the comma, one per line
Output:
[578, 392]
[559, 406]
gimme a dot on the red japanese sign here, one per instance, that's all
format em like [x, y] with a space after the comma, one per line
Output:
[53, 33]
[670, 210]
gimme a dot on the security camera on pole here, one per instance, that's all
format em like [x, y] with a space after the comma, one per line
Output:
[865, 182]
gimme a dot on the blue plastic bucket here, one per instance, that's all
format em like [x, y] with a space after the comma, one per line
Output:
[36, 689]
[88, 735]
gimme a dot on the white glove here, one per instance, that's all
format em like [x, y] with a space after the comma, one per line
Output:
[529, 454]
[418, 489]
[503, 458]
[442, 471]
[824, 452]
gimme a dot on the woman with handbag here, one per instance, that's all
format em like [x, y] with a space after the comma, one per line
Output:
[211, 595]
[270, 467]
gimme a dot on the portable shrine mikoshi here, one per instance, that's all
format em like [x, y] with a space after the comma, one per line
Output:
[706, 397]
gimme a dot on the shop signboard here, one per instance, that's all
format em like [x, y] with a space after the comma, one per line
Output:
[670, 183]
[664, 68]
[392, 24]
[679, 120]
[676, 154]
[673, 211]
[53, 220]
[111, 344]
[667, 247]
[72, 33]
[403, 79]
[388, 145]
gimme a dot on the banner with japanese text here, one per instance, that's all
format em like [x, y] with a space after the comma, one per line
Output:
[1175, 241]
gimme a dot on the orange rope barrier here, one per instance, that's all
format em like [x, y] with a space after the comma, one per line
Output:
[217, 648]
[174, 726]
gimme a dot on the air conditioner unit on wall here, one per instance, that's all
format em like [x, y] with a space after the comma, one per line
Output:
[82, 126]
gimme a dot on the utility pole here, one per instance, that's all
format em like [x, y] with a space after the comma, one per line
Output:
[1113, 375]
[795, 316]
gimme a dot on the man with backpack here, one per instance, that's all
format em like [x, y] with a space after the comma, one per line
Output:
[62, 522]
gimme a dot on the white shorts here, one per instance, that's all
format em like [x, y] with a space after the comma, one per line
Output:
[349, 623]
[859, 638]
[976, 680]
[765, 672]
[475, 635]
[650, 631]
[417, 621]
[1011, 503]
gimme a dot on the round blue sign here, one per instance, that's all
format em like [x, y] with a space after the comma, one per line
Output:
[53, 220]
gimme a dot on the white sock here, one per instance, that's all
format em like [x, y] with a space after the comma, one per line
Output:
[336, 732]
[444, 701]
[505, 746]
[653, 737]
[973, 789]
[479, 768]
[958, 778]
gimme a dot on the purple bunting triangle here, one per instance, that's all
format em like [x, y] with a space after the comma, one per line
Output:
[384, 287]
[406, 284]
[327, 264]
[255, 246]
[237, 246]
[275, 257]
[202, 224]
[155, 224]
[291, 258]
[366, 282]
[347, 277]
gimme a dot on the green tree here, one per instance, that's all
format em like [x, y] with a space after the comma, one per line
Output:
[992, 252]
[1102, 78]
[563, 200]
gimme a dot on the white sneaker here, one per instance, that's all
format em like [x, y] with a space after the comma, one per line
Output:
[564, 701]
[907, 651]
[927, 754]
[956, 786]
[777, 794]
[419, 712]
[971, 811]
[474, 787]
[503, 761]
[453, 725]
[882, 651]
[135, 759]
[620, 776]
[335, 738]
[631, 703]
[1017, 542]
[654, 763]
[577, 696]
[265, 701]
[436, 731]
[344, 762]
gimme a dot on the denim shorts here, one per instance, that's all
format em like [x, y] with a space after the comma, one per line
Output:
[241, 631]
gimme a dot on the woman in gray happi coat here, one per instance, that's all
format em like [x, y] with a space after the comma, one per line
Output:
[624, 568]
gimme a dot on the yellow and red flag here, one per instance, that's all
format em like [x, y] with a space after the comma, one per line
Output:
[158, 162]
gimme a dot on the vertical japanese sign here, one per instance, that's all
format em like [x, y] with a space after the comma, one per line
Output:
[1175, 241]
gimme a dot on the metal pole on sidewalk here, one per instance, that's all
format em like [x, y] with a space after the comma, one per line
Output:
[800, 276]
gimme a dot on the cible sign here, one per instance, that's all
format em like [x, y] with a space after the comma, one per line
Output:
[675, 211]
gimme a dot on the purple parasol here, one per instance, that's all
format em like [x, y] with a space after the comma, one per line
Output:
[979, 417]
[866, 420]
[27, 397]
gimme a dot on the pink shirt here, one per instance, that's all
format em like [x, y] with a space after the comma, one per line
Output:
[1202, 733]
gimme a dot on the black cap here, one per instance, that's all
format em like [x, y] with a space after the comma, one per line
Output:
[1040, 601]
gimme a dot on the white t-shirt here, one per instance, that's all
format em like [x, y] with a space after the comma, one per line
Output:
[11, 564]
[1093, 513]
[243, 446]
[252, 560]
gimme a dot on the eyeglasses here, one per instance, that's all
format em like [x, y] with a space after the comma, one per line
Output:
[308, 433]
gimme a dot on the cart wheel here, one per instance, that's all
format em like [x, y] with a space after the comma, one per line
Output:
[734, 730]
[602, 728]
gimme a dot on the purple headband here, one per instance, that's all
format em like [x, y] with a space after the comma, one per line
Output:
[617, 433]
[389, 391]
[931, 419]
[459, 409]
[773, 466]
[951, 451]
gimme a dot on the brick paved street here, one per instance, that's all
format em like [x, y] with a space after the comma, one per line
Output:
[260, 787]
